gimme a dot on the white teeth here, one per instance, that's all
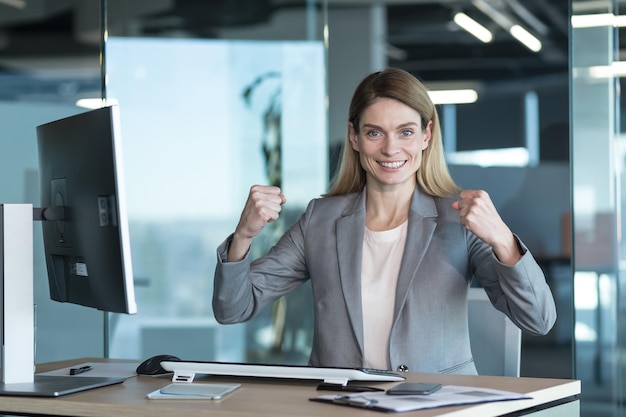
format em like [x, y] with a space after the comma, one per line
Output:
[397, 164]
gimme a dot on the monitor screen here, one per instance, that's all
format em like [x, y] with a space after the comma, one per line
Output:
[83, 211]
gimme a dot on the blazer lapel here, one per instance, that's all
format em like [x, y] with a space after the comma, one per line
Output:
[421, 227]
[350, 230]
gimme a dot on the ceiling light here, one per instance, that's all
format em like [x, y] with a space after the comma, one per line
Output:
[619, 68]
[526, 38]
[598, 20]
[508, 23]
[620, 21]
[18, 4]
[464, 96]
[510, 157]
[396, 53]
[95, 103]
[473, 27]
[593, 20]
[599, 72]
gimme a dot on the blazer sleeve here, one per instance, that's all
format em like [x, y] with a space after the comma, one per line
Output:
[243, 289]
[520, 291]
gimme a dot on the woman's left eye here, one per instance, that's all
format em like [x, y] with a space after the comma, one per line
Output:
[406, 133]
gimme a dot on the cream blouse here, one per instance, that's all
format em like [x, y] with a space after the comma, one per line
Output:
[382, 254]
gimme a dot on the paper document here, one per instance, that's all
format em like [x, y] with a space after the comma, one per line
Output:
[448, 395]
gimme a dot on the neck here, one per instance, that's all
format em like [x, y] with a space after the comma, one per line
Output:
[388, 209]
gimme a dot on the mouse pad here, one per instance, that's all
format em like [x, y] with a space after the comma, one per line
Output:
[186, 391]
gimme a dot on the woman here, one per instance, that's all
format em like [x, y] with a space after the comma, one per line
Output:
[390, 250]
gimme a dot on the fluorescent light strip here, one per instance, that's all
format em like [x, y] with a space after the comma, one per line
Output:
[501, 19]
[505, 22]
[619, 68]
[598, 20]
[18, 4]
[473, 27]
[95, 103]
[616, 69]
[593, 20]
[526, 38]
[620, 21]
[465, 96]
[510, 157]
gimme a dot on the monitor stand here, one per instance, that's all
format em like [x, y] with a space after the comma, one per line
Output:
[17, 333]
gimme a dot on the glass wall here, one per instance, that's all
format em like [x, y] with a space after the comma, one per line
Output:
[219, 107]
[46, 64]
[598, 206]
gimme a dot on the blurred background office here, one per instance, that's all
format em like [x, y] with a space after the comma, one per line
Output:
[218, 95]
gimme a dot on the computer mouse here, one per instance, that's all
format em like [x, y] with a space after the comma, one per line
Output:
[152, 366]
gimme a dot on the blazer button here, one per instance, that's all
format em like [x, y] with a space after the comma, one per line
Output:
[403, 368]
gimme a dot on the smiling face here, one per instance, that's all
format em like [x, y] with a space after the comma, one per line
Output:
[390, 140]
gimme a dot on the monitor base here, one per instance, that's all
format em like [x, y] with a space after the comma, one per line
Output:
[56, 386]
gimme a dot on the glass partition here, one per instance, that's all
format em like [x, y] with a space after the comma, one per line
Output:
[597, 206]
[211, 107]
[46, 65]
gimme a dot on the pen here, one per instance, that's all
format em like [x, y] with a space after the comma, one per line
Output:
[76, 371]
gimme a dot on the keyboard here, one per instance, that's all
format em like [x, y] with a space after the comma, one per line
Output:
[185, 371]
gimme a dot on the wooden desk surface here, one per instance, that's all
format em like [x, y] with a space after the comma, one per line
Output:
[270, 398]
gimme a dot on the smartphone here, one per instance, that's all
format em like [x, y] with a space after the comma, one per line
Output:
[414, 388]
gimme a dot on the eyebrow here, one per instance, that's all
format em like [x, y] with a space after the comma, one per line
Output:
[401, 126]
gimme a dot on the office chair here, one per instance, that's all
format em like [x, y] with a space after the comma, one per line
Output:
[496, 342]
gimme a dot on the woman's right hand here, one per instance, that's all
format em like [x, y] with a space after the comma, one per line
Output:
[263, 206]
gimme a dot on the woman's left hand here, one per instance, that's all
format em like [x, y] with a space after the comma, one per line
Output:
[479, 216]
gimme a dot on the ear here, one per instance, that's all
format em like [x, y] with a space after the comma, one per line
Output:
[352, 136]
[428, 134]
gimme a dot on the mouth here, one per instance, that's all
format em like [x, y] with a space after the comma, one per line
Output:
[392, 165]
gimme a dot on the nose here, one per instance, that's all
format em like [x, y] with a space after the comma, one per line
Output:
[390, 146]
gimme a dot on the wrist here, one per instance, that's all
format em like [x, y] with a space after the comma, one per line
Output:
[238, 248]
[509, 252]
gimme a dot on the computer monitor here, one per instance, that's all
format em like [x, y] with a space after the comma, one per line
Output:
[83, 211]
[86, 244]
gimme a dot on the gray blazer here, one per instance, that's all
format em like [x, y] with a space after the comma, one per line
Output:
[430, 330]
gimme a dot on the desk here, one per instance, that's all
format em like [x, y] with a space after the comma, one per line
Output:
[282, 398]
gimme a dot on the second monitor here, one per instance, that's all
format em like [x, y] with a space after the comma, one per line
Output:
[85, 225]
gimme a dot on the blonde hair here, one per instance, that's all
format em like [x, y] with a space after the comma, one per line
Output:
[433, 176]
